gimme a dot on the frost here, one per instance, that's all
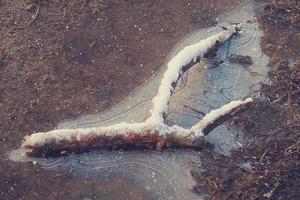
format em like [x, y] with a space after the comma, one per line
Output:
[213, 115]
[154, 125]
[184, 57]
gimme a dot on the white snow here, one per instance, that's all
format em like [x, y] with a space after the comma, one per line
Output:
[174, 69]
[160, 104]
[213, 115]
[38, 139]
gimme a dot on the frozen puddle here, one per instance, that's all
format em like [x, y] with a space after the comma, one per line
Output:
[163, 176]
[205, 86]
[208, 84]
[217, 81]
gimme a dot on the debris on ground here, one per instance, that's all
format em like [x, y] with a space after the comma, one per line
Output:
[269, 167]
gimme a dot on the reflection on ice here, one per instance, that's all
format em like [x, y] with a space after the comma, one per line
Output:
[165, 175]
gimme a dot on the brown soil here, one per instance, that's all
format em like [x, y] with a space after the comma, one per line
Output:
[274, 124]
[77, 57]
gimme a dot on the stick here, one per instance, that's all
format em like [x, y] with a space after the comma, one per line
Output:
[151, 134]
[120, 136]
[35, 15]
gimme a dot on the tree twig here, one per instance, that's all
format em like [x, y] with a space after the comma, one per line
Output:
[34, 17]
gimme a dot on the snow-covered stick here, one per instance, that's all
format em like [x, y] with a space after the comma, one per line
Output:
[186, 56]
[152, 134]
[124, 136]
[214, 115]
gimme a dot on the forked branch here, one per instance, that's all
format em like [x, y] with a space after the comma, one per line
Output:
[151, 134]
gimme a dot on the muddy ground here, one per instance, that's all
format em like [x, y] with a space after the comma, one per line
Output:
[269, 168]
[62, 59]
[78, 57]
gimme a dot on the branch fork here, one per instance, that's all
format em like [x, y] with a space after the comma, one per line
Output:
[151, 134]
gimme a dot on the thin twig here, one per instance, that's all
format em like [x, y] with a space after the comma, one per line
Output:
[195, 110]
[264, 154]
[35, 15]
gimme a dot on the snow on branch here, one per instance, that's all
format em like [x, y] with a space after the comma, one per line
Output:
[183, 58]
[124, 135]
[151, 134]
[213, 115]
